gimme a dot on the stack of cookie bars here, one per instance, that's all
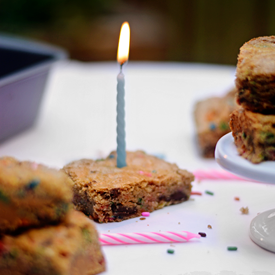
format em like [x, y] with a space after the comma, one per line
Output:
[40, 233]
[253, 124]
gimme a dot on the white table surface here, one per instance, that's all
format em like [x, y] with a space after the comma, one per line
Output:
[78, 120]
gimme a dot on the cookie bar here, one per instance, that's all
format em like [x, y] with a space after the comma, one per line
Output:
[107, 193]
[31, 195]
[254, 135]
[212, 121]
[72, 247]
[255, 75]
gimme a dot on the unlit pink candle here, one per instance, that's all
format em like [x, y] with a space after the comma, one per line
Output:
[215, 175]
[147, 237]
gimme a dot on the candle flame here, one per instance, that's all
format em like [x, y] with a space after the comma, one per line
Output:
[123, 44]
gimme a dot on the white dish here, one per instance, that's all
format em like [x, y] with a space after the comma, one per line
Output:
[262, 230]
[227, 157]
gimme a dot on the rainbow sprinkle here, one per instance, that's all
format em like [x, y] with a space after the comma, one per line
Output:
[145, 214]
[170, 251]
[232, 248]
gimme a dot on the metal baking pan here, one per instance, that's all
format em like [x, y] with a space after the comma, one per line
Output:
[24, 70]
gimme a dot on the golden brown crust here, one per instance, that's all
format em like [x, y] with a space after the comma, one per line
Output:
[108, 193]
[31, 194]
[255, 75]
[254, 135]
[256, 58]
[71, 247]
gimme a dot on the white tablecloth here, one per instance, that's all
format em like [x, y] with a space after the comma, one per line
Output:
[78, 120]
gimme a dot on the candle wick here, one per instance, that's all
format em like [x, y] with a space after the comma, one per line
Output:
[121, 67]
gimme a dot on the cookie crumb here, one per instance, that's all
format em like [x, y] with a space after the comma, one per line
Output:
[209, 226]
[236, 198]
[244, 210]
[142, 219]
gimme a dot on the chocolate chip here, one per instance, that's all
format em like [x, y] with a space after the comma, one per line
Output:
[120, 210]
[114, 193]
[177, 196]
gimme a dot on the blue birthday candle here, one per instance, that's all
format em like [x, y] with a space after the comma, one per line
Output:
[122, 58]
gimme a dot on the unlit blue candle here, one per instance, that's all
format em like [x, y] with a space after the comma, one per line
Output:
[120, 119]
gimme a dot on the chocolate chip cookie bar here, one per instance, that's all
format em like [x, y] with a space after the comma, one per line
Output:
[31, 195]
[254, 135]
[71, 247]
[255, 75]
[212, 121]
[108, 194]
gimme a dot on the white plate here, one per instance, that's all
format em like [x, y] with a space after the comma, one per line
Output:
[227, 156]
[262, 230]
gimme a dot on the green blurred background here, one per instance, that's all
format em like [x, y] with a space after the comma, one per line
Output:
[210, 31]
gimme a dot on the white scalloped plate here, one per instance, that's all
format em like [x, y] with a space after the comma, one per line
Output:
[262, 230]
[262, 227]
[227, 157]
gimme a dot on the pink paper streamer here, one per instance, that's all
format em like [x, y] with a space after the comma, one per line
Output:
[147, 238]
[215, 175]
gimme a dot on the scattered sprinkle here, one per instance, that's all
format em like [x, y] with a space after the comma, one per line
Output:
[244, 210]
[232, 248]
[196, 193]
[111, 156]
[98, 160]
[209, 193]
[236, 198]
[160, 156]
[145, 174]
[212, 126]
[34, 165]
[223, 125]
[145, 214]
[32, 185]
[142, 219]
[202, 234]
[147, 224]
[170, 251]
[154, 171]
[209, 226]
[4, 198]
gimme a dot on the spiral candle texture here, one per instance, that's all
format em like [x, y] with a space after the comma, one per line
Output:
[120, 119]
[147, 238]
